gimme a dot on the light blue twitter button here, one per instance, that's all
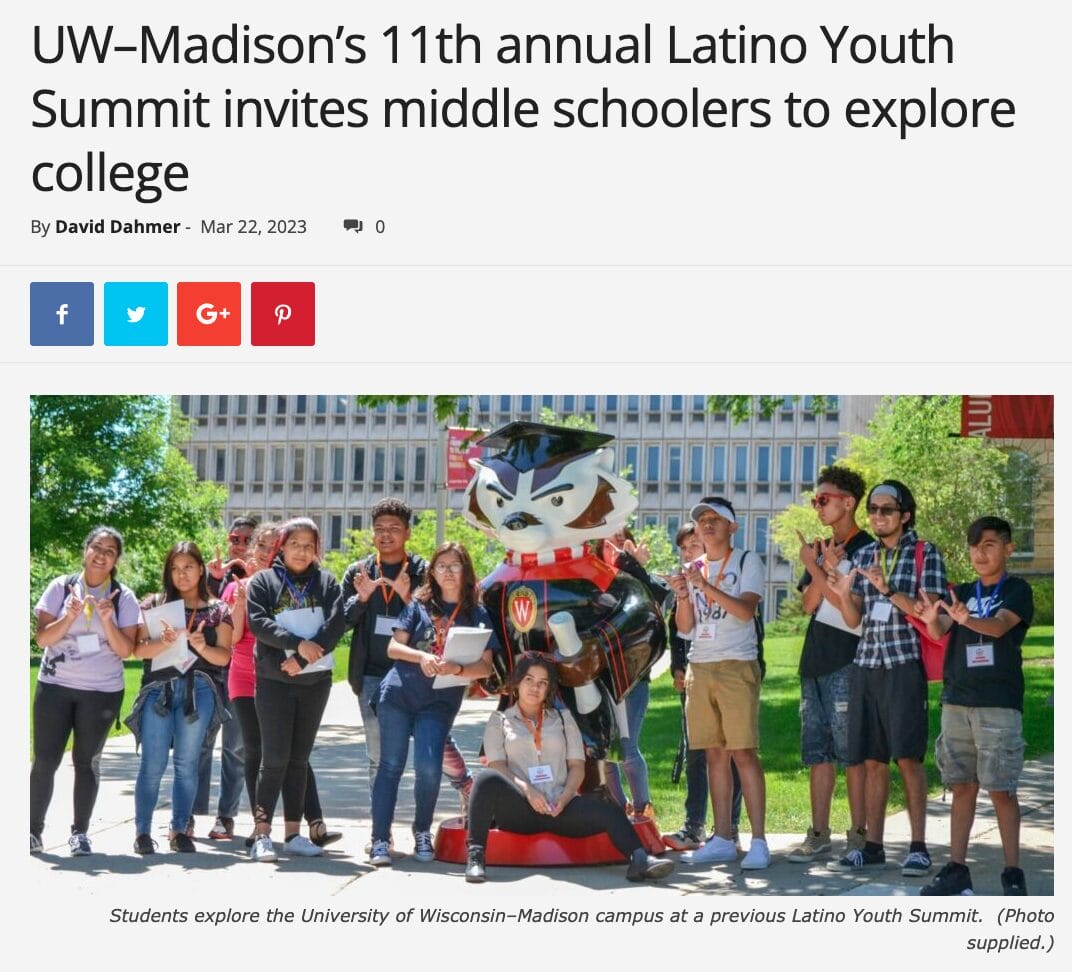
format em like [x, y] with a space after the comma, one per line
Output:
[135, 314]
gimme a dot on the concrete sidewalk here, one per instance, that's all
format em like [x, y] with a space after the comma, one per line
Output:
[221, 870]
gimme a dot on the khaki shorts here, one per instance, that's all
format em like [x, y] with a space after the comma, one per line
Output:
[722, 704]
[981, 745]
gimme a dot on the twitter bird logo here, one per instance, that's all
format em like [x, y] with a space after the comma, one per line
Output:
[136, 314]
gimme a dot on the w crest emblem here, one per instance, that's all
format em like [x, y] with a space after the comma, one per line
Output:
[521, 606]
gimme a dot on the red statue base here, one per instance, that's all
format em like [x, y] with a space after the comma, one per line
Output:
[506, 849]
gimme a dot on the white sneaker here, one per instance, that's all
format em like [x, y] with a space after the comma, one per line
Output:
[299, 846]
[380, 854]
[758, 856]
[79, 845]
[423, 848]
[262, 849]
[717, 850]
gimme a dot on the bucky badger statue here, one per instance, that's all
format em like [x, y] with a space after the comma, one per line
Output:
[543, 494]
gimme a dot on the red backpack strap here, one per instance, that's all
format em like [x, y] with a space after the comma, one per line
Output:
[919, 567]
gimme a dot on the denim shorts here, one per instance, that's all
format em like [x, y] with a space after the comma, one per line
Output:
[824, 717]
[981, 745]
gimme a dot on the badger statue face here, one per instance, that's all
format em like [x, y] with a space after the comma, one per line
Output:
[549, 488]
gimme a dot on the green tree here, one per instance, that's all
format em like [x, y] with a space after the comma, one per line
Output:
[954, 480]
[113, 459]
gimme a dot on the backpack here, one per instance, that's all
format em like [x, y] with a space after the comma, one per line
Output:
[932, 653]
[758, 621]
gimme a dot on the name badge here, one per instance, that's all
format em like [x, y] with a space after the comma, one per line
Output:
[705, 632]
[385, 625]
[881, 611]
[88, 644]
[541, 774]
[981, 655]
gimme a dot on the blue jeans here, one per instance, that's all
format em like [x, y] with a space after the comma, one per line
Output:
[232, 763]
[161, 733]
[824, 717]
[429, 728]
[636, 769]
[370, 690]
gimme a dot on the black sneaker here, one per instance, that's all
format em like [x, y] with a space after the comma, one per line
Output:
[950, 880]
[856, 860]
[1013, 882]
[182, 843]
[144, 844]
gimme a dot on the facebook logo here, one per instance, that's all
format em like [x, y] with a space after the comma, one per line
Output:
[61, 314]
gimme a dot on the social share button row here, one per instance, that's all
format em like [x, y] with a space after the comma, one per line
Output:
[207, 314]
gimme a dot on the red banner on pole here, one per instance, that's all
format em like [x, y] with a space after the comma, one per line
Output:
[1007, 416]
[459, 451]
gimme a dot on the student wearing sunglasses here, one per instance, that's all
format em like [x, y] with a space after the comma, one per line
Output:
[826, 663]
[888, 698]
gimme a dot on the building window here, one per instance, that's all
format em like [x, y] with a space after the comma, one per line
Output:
[632, 408]
[399, 471]
[829, 455]
[317, 472]
[696, 465]
[419, 460]
[740, 465]
[760, 527]
[632, 459]
[590, 406]
[240, 465]
[673, 524]
[526, 407]
[547, 401]
[241, 404]
[221, 466]
[569, 405]
[202, 404]
[1020, 498]
[298, 472]
[807, 465]
[379, 464]
[279, 459]
[698, 408]
[610, 408]
[786, 410]
[338, 463]
[280, 404]
[655, 408]
[340, 405]
[221, 405]
[321, 404]
[781, 594]
[359, 464]
[677, 407]
[301, 404]
[785, 465]
[258, 465]
[355, 521]
[651, 470]
[335, 532]
[651, 520]
[673, 469]
[763, 464]
[718, 467]
[184, 405]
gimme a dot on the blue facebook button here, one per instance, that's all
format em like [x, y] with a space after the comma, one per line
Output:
[61, 314]
[135, 314]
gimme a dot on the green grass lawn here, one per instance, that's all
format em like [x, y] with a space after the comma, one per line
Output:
[788, 808]
[132, 683]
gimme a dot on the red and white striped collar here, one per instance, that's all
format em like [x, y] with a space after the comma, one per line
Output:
[542, 558]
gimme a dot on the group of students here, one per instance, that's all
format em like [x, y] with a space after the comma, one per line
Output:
[260, 631]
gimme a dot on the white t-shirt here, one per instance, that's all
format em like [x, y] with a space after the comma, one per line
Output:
[717, 635]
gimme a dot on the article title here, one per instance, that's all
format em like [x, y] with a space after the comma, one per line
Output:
[501, 105]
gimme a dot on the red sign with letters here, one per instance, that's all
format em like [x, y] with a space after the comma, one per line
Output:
[459, 451]
[1007, 416]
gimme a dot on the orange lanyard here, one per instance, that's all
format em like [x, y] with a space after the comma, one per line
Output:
[536, 729]
[386, 592]
[721, 570]
[193, 617]
[442, 632]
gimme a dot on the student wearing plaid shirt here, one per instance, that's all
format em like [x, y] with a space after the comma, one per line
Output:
[888, 697]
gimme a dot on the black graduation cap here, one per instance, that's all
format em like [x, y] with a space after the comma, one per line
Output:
[530, 445]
